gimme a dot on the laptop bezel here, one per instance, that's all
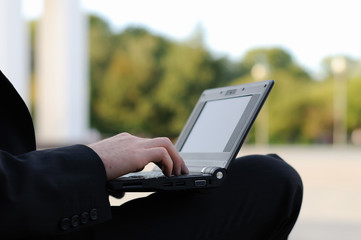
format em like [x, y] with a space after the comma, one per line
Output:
[258, 92]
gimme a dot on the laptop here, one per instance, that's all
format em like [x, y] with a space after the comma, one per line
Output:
[209, 141]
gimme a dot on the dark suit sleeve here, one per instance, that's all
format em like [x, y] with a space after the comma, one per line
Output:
[52, 191]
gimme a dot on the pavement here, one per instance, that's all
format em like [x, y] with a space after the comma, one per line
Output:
[331, 176]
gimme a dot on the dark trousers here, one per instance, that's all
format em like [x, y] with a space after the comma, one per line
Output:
[260, 199]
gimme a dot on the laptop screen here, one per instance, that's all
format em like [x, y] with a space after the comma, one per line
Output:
[215, 125]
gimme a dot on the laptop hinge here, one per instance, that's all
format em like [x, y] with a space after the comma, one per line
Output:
[197, 169]
[210, 170]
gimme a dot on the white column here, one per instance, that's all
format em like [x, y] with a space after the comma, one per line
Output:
[62, 79]
[14, 46]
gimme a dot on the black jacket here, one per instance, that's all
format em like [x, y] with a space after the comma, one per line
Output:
[45, 192]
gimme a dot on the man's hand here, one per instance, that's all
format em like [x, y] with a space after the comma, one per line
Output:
[125, 153]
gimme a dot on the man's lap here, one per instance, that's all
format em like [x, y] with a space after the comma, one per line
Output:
[261, 197]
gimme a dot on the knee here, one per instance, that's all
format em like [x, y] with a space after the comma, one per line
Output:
[272, 188]
[267, 170]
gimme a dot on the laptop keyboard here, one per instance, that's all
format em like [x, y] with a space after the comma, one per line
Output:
[144, 175]
[150, 174]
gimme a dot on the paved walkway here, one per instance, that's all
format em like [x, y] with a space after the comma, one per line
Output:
[332, 190]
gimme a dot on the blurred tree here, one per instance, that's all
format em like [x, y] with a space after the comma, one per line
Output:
[187, 72]
[352, 77]
[101, 46]
[296, 112]
[151, 84]
[129, 82]
[148, 85]
[275, 59]
[354, 104]
[300, 109]
[352, 66]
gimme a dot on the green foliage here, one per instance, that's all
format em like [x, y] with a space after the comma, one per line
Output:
[274, 58]
[147, 85]
[100, 51]
[292, 105]
[354, 104]
[128, 82]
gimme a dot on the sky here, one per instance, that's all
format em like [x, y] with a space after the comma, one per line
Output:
[309, 30]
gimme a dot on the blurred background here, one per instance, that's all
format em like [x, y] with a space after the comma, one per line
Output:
[90, 69]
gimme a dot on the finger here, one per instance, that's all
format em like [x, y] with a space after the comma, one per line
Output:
[179, 166]
[184, 168]
[160, 157]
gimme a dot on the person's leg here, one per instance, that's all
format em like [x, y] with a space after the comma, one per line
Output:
[260, 199]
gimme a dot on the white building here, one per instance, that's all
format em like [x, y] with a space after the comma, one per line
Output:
[61, 67]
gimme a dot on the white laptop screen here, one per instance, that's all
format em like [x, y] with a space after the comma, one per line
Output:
[215, 125]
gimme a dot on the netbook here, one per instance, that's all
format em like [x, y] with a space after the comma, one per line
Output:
[209, 141]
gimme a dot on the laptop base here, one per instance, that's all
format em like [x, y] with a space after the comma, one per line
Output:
[188, 181]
